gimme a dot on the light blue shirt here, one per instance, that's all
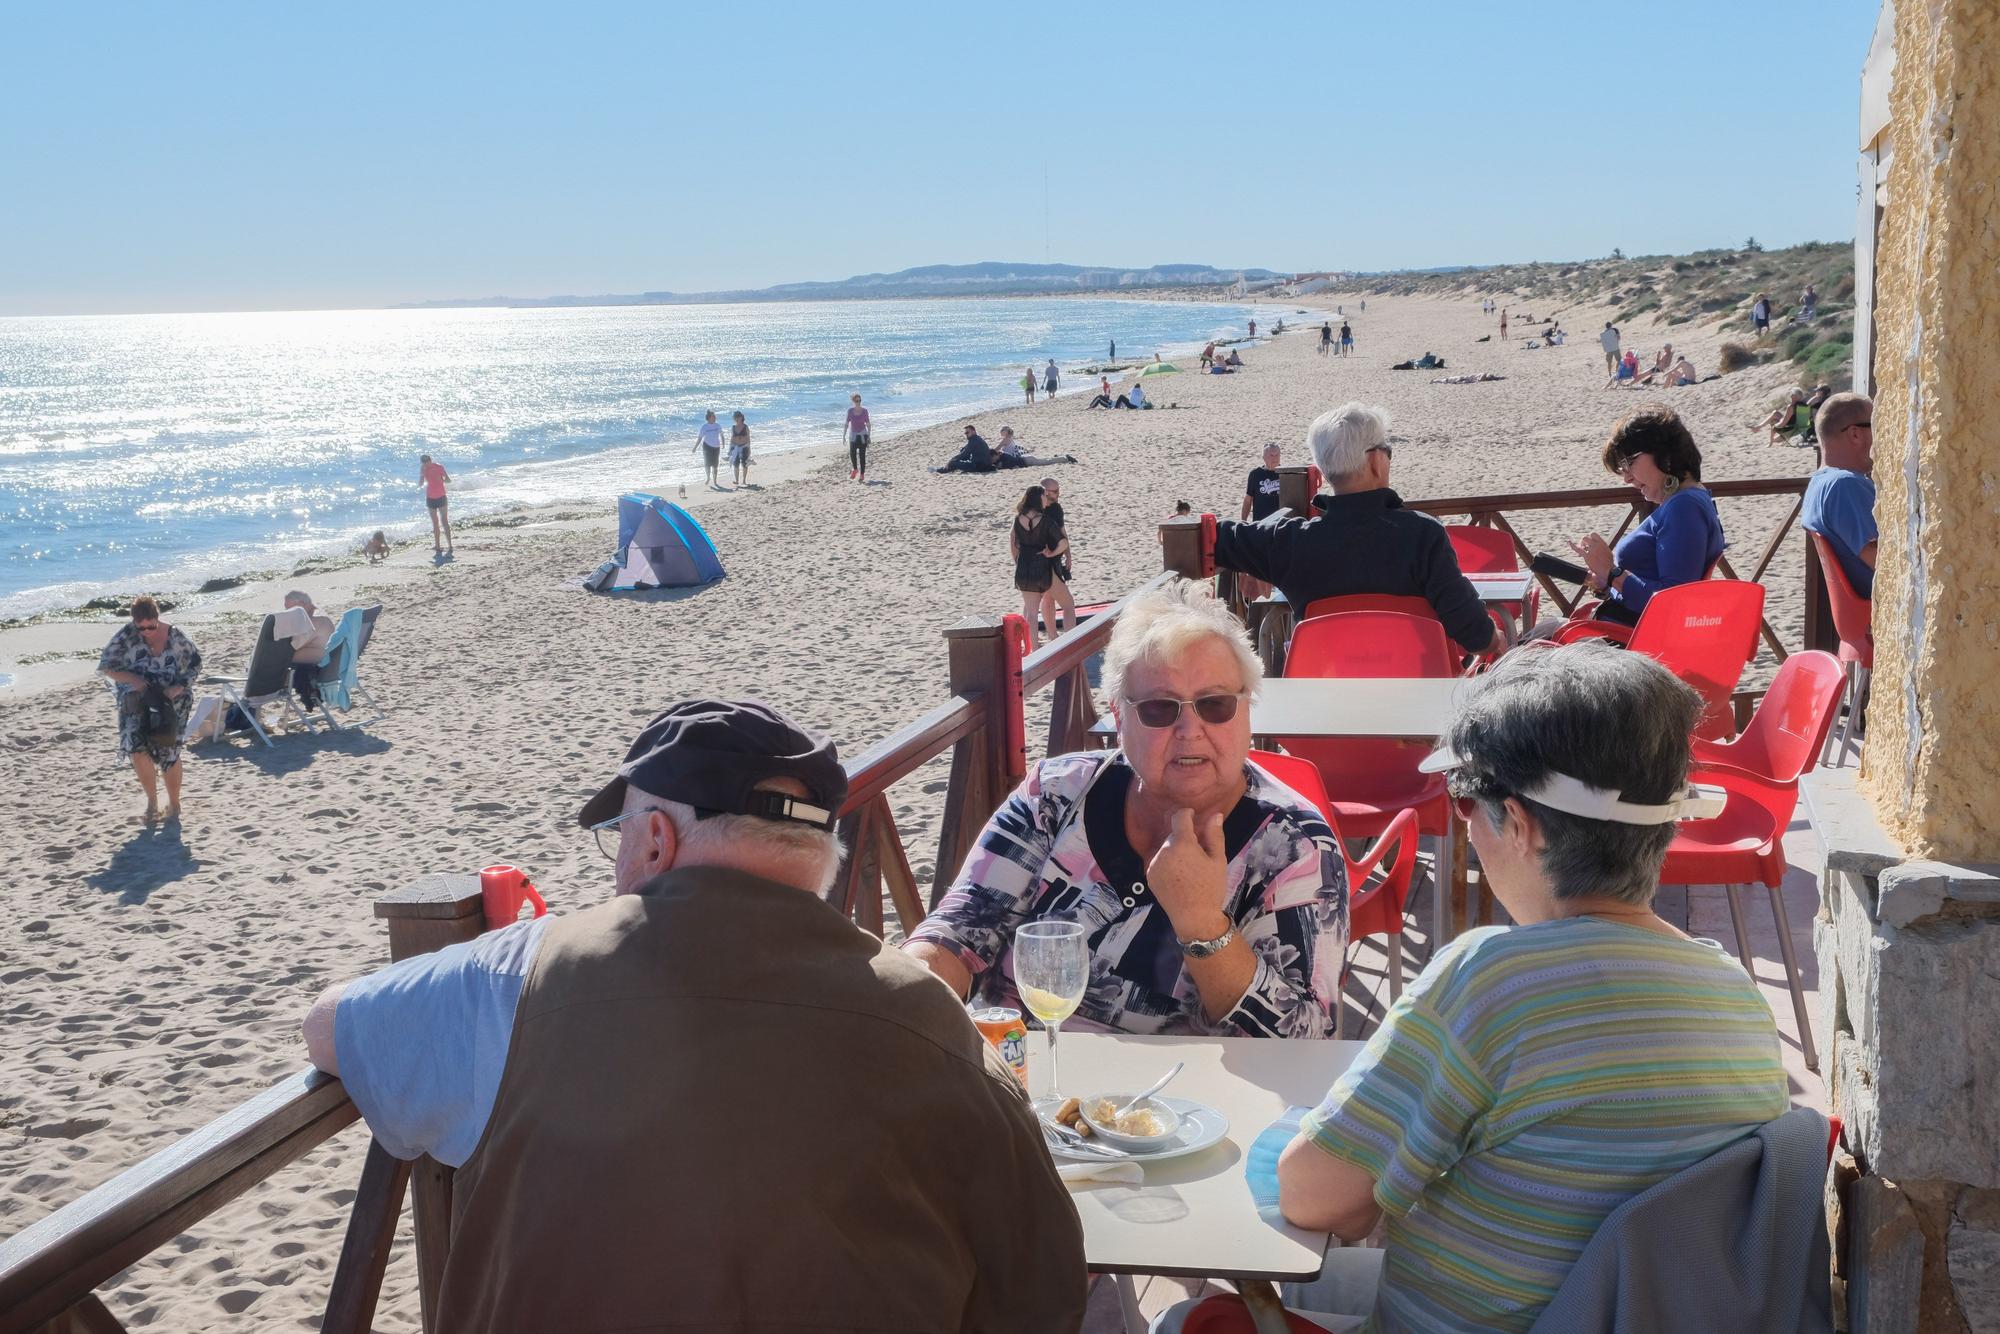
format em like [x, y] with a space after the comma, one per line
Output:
[1840, 507]
[422, 1043]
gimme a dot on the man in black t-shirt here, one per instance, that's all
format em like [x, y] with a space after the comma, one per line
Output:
[1260, 494]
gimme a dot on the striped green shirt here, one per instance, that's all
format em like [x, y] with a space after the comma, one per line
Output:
[1533, 1079]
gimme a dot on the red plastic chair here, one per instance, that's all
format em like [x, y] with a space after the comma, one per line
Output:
[1370, 780]
[1409, 606]
[1705, 633]
[1491, 551]
[1745, 843]
[1378, 910]
[1853, 621]
[1583, 622]
[1791, 724]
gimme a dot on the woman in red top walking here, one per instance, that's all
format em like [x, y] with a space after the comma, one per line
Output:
[434, 477]
[857, 441]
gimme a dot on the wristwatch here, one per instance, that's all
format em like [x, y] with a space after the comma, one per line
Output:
[1202, 949]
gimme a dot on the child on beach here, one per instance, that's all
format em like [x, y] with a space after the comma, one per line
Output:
[376, 548]
[1028, 384]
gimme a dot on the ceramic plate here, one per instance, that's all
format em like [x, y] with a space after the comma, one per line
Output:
[1201, 1126]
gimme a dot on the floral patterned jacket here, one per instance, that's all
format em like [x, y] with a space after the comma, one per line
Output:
[1049, 852]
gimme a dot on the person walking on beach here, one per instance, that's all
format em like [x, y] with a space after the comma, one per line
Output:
[1609, 341]
[1503, 324]
[583, 1072]
[154, 667]
[1253, 328]
[1346, 339]
[857, 441]
[1049, 377]
[1325, 338]
[1028, 385]
[709, 441]
[433, 476]
[1113, 356]
[739, 450]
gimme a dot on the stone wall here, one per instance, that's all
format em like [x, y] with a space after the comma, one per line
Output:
[1930, 755]
[1909, 959]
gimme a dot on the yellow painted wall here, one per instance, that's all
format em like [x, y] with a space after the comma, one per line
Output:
[1932, 763]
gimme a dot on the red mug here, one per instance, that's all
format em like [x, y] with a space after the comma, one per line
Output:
[504, 889]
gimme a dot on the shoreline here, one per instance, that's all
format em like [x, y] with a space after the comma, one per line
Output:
[199, 578]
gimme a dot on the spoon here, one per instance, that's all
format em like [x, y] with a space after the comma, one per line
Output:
[1163, 1081]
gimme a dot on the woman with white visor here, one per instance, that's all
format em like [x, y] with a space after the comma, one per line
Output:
[1537, 1075]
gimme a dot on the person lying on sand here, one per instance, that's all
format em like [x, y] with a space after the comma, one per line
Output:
[1011, 455]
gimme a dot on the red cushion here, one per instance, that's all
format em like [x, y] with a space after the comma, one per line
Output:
[1226, 1314]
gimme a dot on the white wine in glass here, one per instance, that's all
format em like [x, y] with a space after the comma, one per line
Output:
[1051, 969]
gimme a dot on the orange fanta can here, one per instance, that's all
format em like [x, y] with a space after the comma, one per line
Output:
[1004, 1029]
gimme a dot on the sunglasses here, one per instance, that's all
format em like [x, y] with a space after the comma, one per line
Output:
[1386, 451]
[1167, 712]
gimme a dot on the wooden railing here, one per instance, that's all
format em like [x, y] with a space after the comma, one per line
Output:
[50, 1270]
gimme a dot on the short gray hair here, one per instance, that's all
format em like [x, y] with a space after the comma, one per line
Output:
[298, 598]
[1341, 438]
[1164, 623]
[1607, 716]
[731, 840]
[1840, 412]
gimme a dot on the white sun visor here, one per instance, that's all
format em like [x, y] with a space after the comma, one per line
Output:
[1573, 796]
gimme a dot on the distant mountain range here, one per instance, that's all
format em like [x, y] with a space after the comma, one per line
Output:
[992, 278]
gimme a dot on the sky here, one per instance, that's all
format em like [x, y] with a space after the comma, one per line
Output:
[237, 156]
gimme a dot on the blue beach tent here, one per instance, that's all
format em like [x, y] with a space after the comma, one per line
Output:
[659, 546]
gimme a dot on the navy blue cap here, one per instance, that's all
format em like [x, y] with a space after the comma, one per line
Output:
[711, 754]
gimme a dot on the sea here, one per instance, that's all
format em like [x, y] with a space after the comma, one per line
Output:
[156, 452]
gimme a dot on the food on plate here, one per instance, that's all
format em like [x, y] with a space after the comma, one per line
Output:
[1142, 1121]
[1071, 1114]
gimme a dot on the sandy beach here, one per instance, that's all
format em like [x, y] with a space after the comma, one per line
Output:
[152, 979]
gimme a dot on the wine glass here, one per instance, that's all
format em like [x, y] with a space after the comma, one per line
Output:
[1051, 969]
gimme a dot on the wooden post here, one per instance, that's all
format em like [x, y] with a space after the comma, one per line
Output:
[1295, 490]
[979, 778]
[433, 912]
[1180, 548]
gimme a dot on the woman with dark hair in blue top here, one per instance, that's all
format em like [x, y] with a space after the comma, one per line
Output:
[1679, 542]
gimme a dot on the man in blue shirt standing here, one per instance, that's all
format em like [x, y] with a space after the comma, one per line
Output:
[1840, 499]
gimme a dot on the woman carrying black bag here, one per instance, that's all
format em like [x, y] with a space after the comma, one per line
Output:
[154, 666]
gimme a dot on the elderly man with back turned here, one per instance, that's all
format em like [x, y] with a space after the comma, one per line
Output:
[1839, 503]
[713, 1102]
[1362, 540]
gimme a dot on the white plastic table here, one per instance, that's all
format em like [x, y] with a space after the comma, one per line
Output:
[1194, 1216]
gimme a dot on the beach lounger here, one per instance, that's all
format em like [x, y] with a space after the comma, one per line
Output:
[362, 635]
[338, 684]
[268, 681]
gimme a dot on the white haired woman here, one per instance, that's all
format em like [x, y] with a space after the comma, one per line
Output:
[1361, 539]
[1214, 899]
[1537, 1076]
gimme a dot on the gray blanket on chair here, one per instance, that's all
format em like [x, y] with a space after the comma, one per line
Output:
[1735, 1242]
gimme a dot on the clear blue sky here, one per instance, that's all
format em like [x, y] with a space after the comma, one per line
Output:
[260, 156]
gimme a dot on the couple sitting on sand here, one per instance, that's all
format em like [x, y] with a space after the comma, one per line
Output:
[978, 456]
[589, 1074]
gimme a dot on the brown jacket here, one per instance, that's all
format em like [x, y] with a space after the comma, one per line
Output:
[726, 1108]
